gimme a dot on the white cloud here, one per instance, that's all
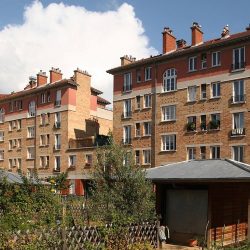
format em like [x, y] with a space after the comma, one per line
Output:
[69, 37]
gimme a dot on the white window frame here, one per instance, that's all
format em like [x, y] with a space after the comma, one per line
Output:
[168, 113]
[72, 160]
[216, 58]
[57, 166]
[203, 92]
[19, 163]
[192, 63]
[148, 73]
[31, 132]
[127, 134]
[44, 161]
[43, 98]
[58, 119]
[147, 101]
[238, 120]
[203, 154]
[1, 154]
[58, 141]
[238, 88]
[215, 92]
[32, 109]
[191, 153]
[204, 61]
[217, 152]
[127, 108]
[31, 154]
[137, 129]
[168, 142]
[147, 128]
[127, 82]
[19, 124]
[192, 93]
[89, 159]
[240, 56]
[2, 115]
[238, 148]
[137, 157]
[1, 136]
[138, 75]
[169, 80]
[146, 156]
[138, 102]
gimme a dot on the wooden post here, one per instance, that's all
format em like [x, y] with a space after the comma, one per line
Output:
[248, 234]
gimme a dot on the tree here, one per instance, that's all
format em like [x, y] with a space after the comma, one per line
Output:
[120, 193]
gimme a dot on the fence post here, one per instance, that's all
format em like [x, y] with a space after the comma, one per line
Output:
[159, 242]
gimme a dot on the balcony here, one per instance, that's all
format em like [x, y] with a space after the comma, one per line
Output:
[58, 103]
[127, 141]
[127, 114]
[238, 66]
[238, 132]
[57, 125]
[238, 99]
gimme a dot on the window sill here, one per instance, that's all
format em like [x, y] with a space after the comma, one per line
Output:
[232, 136]
[29, 117]
[137, 137]
[10, 150]
[240, 102]
[168, 121]
[203, 99]
[137, 109]
[215, 97]
[145, 108]
[1, 159]
[30, 137]
[215, 66]
[170, 91]
[193, 70]
[146, 164]
[1, 141]
[168, 151]
[237, 70]
[213, 130]
[192, 101]
[30, 159]
[124, 92]
[146, 80]
[191, 132]
[145, 136]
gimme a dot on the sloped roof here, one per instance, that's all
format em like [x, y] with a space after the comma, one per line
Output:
[102, 100]
[201, 170]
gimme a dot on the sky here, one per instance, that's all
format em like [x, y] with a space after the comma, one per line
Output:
[93, 34]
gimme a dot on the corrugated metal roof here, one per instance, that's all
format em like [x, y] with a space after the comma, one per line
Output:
[201, 170]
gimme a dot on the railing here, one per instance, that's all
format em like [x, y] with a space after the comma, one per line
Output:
[127, 114]
[238, 131]
[238, 98]
[58, 103]
[126, 141]
[238, 65]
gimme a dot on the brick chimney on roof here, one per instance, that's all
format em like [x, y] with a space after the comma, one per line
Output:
[168, 41]
[225, 32]
[41, 78]
[127, 60]
[55, 75]
[197, 34]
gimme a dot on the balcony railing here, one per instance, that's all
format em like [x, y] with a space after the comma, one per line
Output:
[58, 103]
[238, 65]
[127, 114]
[238, 132]
[126, 141]
[238, 98]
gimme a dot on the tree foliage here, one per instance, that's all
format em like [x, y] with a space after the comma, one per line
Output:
[121, 193]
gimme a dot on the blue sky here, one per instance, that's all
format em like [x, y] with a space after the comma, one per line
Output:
[178, 15]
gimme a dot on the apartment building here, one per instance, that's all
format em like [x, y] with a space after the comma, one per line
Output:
[53, 126]
[190, 102]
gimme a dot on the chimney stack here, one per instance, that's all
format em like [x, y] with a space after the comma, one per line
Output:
[181, 44]
[41, 78]
[248, 27]
[225, 32]
[168, 41]
[55, 75]
[197, 34]
[127, 60]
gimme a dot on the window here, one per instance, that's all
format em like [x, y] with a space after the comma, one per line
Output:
[203, 91]
[127, 84]
[216, 89]
[44, 139]
[137, 129]
[48, 96]
[44, 161]
[10, 144]
[58, 120]
[191, 123]
[43, 119]
[127, 108]
[57, 141]
[19, 124]
[32, 109]
[1, 136]
[31, 153]
[137, 157]
[148, 73]
[146, 156]
[169, 80]
[43, 98]
[238, 58]
[203, 122]
[147, 101]
[238, 153]
[2, 115]
[138, 102]
[238, 91]
[89, 159]
[192, 62]
[238, 124]
[11, 106]
[216, 59]
[31, 132]
[168, 142]
[191, 153]
[203, 152]
[19, 143]
[127, 134]
[57, 163]
[1, 154]
[147, 128]
[204, 61]
[58, 98]
[19, 105]
[72, 160]
[138, 75]
[215, 152]
[192, 93]
[215, 121]
[10, 163]
[11, 125]
[169, 113]
[19, 163]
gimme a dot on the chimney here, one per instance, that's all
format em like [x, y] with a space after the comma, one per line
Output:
[181, 44]
[225, 32]
[127, 60]
[41, 78]
[168, 41]
[55, 75]
[248, 27]
[197, 34]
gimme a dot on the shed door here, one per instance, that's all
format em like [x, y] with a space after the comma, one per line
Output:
[187, 211]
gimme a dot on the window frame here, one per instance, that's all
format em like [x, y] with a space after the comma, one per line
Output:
[148, 73]
[192, 61]
[169, 80]
[217, 89]
[171, 143]
[168, 113]
[216, 58]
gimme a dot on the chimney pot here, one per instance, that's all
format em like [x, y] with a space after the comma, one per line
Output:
[181, 43]
[127, 60]
[225, 32]
[197, 34]
[168, 40]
